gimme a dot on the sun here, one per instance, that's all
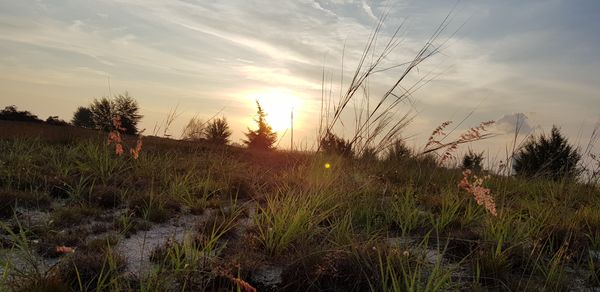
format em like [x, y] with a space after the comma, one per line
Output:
[278, 104]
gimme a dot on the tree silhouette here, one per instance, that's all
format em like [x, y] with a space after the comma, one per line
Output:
[127, 108]
[83, 117]
[472, 161]
[122, 106]
[550, 157]
[217, 131]
[11, 113]
[332, 144]
[54, 120]
[102, 113]
[262, 138]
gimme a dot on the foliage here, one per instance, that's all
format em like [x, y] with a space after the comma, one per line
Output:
[123, 106]
[397, 151]
[11, 113]
[262, 138]
[54, 120]
[548, 156]
[332, 144]
[83, 117]
[217, 131]
[472, 161]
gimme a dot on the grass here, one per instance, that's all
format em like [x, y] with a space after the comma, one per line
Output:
[401, 225]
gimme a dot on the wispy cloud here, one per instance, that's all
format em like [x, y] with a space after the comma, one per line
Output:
[509, 57]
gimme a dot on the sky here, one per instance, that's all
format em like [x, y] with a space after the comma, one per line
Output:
[502, 60]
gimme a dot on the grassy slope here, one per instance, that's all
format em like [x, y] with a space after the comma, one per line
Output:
[400, 226]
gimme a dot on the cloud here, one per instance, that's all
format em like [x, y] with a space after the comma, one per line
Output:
[511, 122]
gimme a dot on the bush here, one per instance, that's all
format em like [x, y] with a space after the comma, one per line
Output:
[332, 144]
[83, 117]
[472, 161]
[217, 131]
[262, 138]
[398, 151]
[550, 157]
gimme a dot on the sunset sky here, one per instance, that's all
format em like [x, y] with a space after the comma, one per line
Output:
[537, 59]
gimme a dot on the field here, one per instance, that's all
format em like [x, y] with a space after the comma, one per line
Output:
[192, 217]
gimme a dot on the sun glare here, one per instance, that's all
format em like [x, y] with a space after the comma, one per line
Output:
[278, 104]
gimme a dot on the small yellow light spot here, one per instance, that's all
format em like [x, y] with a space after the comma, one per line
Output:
[327, 165]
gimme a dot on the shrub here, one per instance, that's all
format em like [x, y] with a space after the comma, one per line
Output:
[472, 161]
[217, 131]
[262, 138]
[550, 157]
[83, 117]
[398, 151]
[332, 144]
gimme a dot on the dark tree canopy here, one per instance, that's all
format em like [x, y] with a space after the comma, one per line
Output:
[472, 161]
[550, 157]
[262, 138]
[217, 131]
[332, 144]
[11, 113]
[83, 117]
[122, 106]
[127, 108]
[54, 120]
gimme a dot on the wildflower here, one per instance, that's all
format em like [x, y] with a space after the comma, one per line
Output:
[119, 149]
[434, 142]
[482, 195]
[135, 153]
[327, 165]
[64, 249]
[406, 253]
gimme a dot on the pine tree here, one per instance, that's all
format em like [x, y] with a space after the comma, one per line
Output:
[262, 138]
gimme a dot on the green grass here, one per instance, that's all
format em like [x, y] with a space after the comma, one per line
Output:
[356, 225]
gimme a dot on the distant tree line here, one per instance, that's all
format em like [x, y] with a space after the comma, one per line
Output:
[547, 156]
[12, 113]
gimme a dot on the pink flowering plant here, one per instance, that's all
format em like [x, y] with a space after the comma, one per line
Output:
[115, 137]
[473, 185]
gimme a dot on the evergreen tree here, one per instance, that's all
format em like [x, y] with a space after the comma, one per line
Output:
[551, 157]
[262, 138]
